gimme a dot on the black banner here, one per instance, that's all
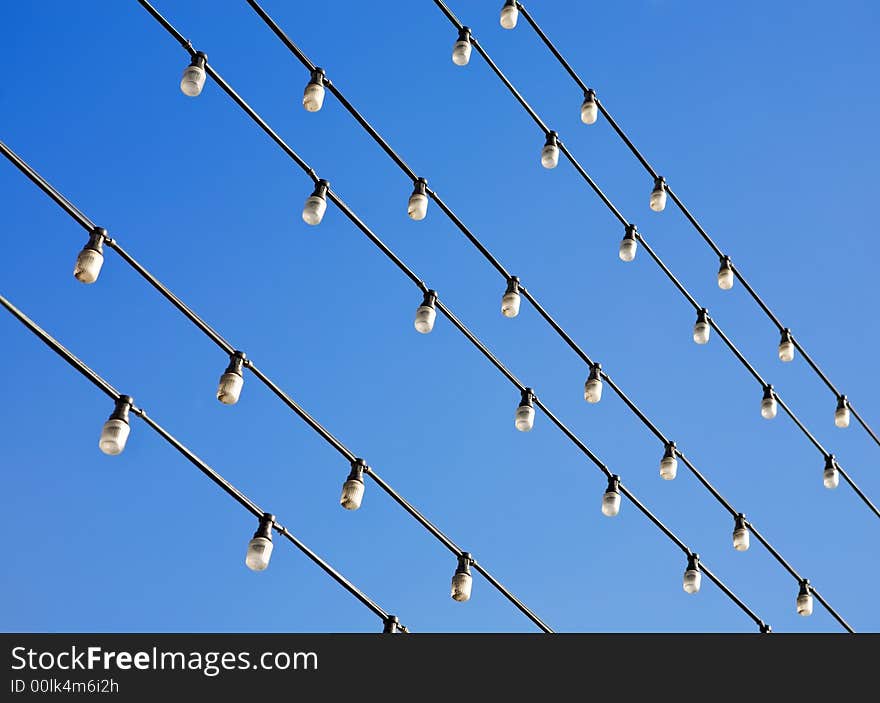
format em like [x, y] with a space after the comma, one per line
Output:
[142, 666]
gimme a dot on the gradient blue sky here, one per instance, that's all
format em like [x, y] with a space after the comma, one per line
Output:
[761, 117]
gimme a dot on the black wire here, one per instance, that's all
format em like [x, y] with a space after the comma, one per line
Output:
[190, 456]
[457, 323]
[653, 254]
[681, 206]
[301, 56]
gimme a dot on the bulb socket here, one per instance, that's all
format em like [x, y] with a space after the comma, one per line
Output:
[321, 188]
[199, 59]
[512, 285]
[552, 138]
[464, 34]
[96, 240]
[317, 76]
[693, 562]
[265, 528]
[528, 395]
[120, 411]
[391, 625]
[420, 186]
[358, 466]
[739, 522]
[613, 484]
[659, 184]
[703, 316]
[768, 392]
[464, 564]
[842, 403]
[669, 451]
[595, 372]
[236, 363]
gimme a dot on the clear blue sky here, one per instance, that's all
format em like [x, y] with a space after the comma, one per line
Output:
[763, 118]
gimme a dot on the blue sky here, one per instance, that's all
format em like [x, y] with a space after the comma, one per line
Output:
[757, 116]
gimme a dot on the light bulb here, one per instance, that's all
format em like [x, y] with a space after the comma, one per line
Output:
[629, 244]
[725, 274]
[669, 463]
[194, 75]
[510, 301]
[786, 346]
[417, 207]
[589, 108]
[232, 380]
[658, 195]
[692, 575]
[509, 14]
[461, 50]
[831, 476]
[91, 258]
[550, 152]
[841, 414]
[593, 386]
[702, 329]
[353, 488]
[524, 419]
[316, 204]
[462, 581]
[426, 313]
[740, 534]
[805, 599]
[768, 404]
[259, 549]
[313, 95]
[611, 497]
[114, 433]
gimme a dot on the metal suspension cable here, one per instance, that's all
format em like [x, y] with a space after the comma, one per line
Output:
[271, 385]
[487, 254]
[641, 238]
[225, 485]
[692, 219]
[336, 199]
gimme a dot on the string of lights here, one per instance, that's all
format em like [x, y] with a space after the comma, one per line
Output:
[114, 436]
[553, 146]
[313, 211]
[728, 272]
[510, 304]
[87, 268]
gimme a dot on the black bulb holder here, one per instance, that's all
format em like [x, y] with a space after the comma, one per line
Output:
[265, 528]
[120, 411]
[464, 563]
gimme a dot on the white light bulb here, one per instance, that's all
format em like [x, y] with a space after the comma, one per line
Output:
[417, 208]
[313, 97]
[658, 196]
[524, 418]
[352, 494]
[88, 265]
[550, 156]
[259, 552]
[425, 316]
[668, 466]
[589, 110]
[593, 389]
[628, 245]
[768, 405]
[314, 209]
[610, 503]
[805, 603]
[510, 303]
[462, 584]
[841, 415]
[461, 50]
[114, 435]
[702, 329]
[692, 580]
[786, 349]
[193, 81]
[509, 15]
[229, 388]
[740, 535]
[725, 275]
[831, 476]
